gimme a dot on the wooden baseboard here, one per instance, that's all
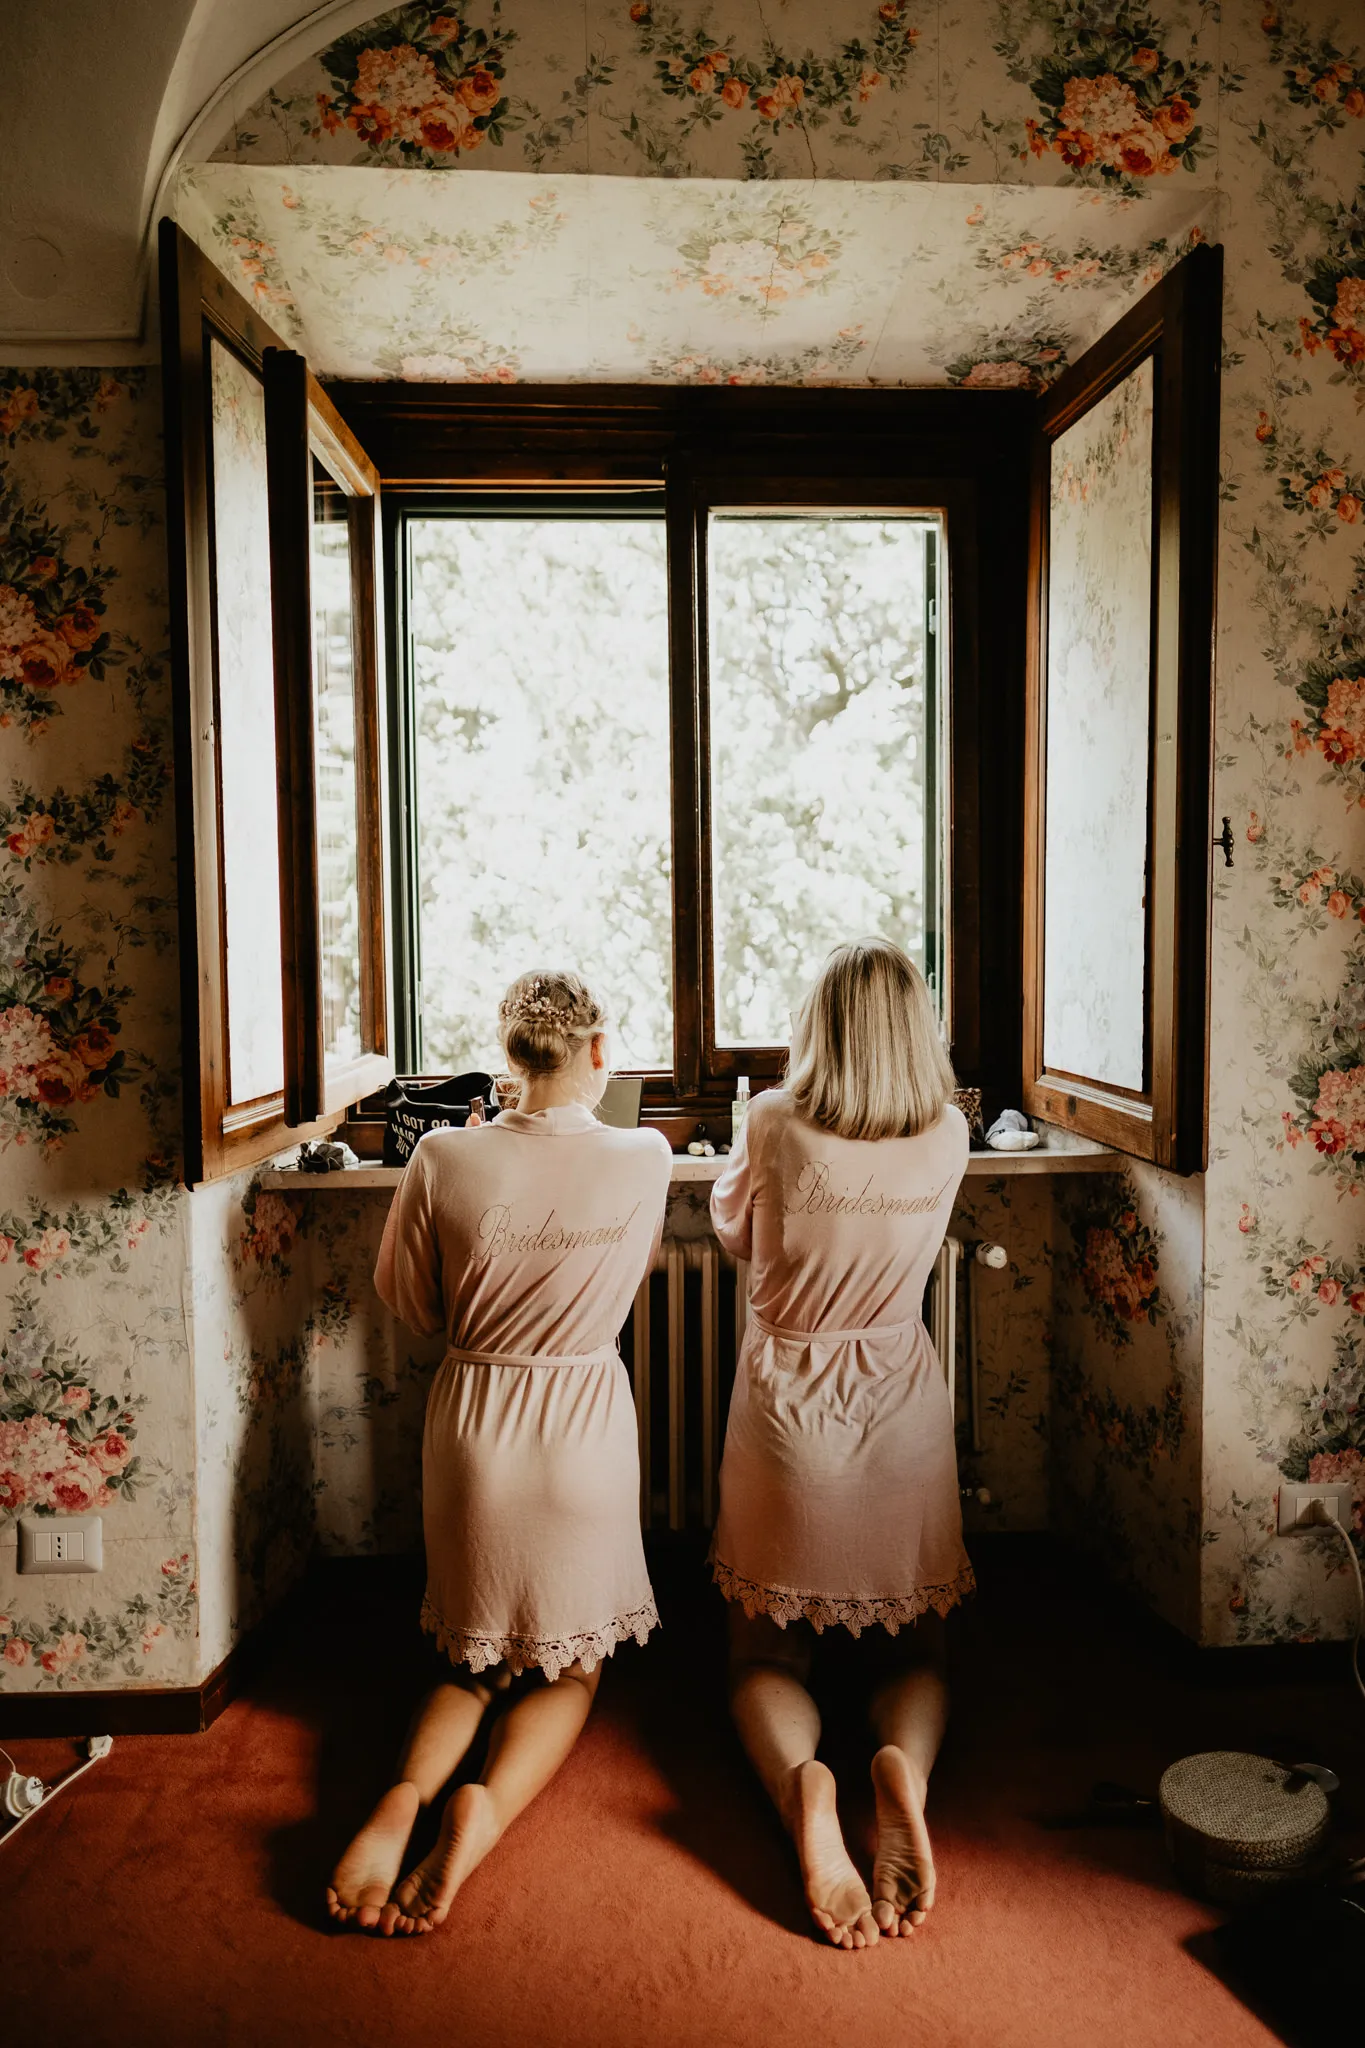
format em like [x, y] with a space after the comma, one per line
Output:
[147, 1709]
[143, 1710]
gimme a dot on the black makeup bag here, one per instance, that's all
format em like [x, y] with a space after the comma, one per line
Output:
[411, 1110]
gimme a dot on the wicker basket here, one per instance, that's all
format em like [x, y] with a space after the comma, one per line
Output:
[1237, 1826]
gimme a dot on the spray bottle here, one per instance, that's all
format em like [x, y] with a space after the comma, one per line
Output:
[739, 1108]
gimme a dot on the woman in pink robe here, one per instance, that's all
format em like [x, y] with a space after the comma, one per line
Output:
[839, 1500]
[524, 1240]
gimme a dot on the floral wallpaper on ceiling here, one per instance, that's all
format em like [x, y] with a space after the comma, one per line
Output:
[413, 274]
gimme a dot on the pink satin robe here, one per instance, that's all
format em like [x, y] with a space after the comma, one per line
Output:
[838, 1488]
[525, 1241]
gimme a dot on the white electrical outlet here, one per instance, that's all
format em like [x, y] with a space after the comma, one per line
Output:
[1309, 1504]
[61, 1543]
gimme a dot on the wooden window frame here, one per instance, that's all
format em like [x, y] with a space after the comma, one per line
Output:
[197, 306]
[1177, 325]
[302, 422]
[961, 454]
[703, 492]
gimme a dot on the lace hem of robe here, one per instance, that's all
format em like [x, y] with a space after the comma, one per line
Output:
[549, 1654]
[823, 1610]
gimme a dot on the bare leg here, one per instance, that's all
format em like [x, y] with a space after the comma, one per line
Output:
[909, 1714]
[779, 1725]
[445, 1724]
[526, 1748]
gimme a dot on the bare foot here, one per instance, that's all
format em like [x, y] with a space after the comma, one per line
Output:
[836, 1895]
[903, 1874]
[364, 1878]
[469, 1828]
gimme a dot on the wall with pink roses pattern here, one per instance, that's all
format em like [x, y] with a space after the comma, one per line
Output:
[212, 1369]
[96, 1374]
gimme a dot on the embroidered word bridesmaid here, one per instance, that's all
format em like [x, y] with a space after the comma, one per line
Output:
[838, 1489]
[524, 1240]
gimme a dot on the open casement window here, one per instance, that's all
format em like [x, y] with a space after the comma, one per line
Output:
[247, 993]
[324, 497]
[811, 668]
[1117, 766]
[688, 686]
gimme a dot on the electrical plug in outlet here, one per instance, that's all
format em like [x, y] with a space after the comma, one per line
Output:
[1308, 1506]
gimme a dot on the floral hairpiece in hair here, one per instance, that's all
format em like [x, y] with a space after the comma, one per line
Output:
[531, 1005]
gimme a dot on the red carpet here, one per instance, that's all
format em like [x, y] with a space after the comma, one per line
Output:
[648, 1900]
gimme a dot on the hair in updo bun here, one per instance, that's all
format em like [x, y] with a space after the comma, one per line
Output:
[544, 1017]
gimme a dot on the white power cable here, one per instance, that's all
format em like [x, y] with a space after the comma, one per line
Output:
[23, 1797]
[1322, 1521]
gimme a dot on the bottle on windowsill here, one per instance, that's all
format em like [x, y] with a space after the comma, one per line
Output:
[739, 1108]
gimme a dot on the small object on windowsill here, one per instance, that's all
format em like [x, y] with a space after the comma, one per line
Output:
[739, 1108]
[968, 1100]
[1010, 1133]
[695, 1149]
[324, 1155]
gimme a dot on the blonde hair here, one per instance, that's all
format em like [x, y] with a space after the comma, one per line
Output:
[544, 1017]
[867, 1059]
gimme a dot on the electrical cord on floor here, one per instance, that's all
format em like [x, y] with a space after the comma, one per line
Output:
[23, 1797]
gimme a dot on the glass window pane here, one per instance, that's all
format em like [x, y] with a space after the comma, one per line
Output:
[246, 731]
[1098, 695]
[540, 670]
[818, 751]
[334, 743]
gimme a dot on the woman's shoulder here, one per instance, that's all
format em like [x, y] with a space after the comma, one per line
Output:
[954, 1124]
[949, 1132]
[641, 1147]
[774, 1105]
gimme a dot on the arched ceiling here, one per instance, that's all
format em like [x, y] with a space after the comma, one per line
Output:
[101, 98]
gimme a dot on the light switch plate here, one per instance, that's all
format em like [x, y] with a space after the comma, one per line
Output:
[61, 1543]
[1297, 1512]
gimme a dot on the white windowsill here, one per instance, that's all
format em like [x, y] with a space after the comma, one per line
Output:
[1059, 1153]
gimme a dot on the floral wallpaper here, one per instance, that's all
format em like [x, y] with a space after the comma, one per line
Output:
[387, 273]
[1006, 106]
[1284, 1348]
[95, 1369]
[961, 193]
[1126, 1380]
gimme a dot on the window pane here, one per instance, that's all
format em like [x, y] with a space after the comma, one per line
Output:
[246, 731]
[1099, 612]
[818, 754]
[334, 744]
[540, 670]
